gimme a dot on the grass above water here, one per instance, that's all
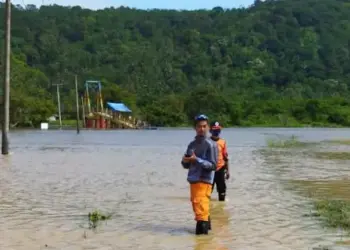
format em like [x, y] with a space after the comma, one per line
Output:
[331, 200]
[335, 213]
[95, 217]
[293, 141]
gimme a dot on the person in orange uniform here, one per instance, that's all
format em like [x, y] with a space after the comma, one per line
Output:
[200, 159]
[222, 170]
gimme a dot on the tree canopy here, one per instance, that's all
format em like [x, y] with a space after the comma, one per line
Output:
[276, 63]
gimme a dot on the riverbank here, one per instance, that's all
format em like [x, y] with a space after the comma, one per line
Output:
[71, 124]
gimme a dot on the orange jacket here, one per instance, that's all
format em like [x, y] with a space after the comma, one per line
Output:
[223, 155]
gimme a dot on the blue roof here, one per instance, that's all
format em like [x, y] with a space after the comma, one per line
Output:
[119, 107]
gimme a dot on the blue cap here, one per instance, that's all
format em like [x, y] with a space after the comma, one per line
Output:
[201, 117]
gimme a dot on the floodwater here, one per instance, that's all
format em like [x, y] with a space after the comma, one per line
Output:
[53, 179]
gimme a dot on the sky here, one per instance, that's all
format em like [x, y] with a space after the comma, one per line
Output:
[142, 4]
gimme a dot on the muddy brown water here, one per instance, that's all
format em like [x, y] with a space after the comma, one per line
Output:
[53, 179]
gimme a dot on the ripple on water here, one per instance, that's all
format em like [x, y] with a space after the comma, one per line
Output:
[54, 179]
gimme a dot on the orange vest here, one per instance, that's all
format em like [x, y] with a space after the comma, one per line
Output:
[222, 157]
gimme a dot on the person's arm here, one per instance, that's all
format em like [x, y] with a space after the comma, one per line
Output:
[226, 161]
[224, 152]
[186, 164]
[212, 158]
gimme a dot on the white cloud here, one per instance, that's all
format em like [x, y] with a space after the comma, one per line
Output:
[99, 4]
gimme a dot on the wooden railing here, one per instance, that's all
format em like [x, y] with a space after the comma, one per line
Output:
[115, 120]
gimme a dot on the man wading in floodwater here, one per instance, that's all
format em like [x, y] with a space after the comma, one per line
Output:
[222, 171]
[200, 160]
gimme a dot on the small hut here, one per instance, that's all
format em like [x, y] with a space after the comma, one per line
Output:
[121, 114]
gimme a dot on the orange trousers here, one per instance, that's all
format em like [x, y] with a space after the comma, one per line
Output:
[200, 198]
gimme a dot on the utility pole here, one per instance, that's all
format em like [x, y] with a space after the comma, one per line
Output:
[6, 88]
[83, 111]
[59, 102]
[77, 102]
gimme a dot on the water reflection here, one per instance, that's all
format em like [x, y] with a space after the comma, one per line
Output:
[220, 233]
[204, 243]
[221, 220]
[5, 160]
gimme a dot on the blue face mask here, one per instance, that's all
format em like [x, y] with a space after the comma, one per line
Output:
[215, 132]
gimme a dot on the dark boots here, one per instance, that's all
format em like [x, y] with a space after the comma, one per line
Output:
[209, 223]
[202, 227]
[222, 197]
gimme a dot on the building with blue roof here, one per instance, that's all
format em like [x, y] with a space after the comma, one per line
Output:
[119, 107]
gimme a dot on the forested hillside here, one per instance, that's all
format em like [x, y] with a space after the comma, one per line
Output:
[276, 63]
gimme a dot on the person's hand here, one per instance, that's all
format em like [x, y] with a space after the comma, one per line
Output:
[185, 159]
[227, 175]
[191, 158]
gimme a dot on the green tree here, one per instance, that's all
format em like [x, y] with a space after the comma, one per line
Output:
[276, 63]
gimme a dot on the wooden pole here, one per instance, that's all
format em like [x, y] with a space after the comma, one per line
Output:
[59, 105]
[88, 98]
[6, 97]
[59, 102]
[77, 102]
[83, 111]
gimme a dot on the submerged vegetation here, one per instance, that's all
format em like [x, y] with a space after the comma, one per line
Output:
[322, 189]
[332, 155]
[294, 142]
[283, 143]
[290, 142]
[331, 202]
[95, 217]
[330, 198]
[339, 141]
